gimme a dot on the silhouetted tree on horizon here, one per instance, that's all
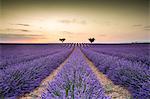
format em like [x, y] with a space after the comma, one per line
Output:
[62, 39]
[91, 40]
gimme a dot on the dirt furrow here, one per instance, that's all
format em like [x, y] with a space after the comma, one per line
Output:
[36, 93]
[112, 90]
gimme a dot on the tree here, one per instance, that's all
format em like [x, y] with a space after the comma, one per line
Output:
[62, 39]
[91, 39]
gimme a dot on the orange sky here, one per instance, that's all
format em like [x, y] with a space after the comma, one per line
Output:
[45, 21]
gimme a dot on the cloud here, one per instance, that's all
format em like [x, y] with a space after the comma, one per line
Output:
[22, 24]
[23, 30]
[73, 21]
[8, 36]
[137, 25]
[147, 27]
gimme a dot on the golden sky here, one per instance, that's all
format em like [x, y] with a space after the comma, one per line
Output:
[45, 21]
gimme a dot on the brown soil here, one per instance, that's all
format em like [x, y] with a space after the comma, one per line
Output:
[112, 90]
[36, 93]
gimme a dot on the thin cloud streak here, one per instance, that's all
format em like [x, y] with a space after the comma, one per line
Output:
[73, 21]
[137, 25]
[147, 28]
[23, 30]
[8, 36]
[22, 24]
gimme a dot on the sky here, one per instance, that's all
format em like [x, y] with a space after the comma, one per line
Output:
[45, 21]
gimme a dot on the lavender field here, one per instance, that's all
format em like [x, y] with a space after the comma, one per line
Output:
[25, 70]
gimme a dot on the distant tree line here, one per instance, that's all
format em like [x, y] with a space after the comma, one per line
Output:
[90, 39]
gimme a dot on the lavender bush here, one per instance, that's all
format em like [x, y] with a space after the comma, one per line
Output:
[15, 54]
[26, 76]
[75, 81]
[133, 52]
[131, 74]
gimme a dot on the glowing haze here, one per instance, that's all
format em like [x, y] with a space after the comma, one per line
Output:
[45, 21]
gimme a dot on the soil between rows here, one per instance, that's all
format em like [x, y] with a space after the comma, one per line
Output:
[37, 92]
[114, 91]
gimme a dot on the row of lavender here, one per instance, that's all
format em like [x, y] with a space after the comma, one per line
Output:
[131, 52]
[134, 75]
[75, 81]
[25, 72]
[10, 53]
[14, 54]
